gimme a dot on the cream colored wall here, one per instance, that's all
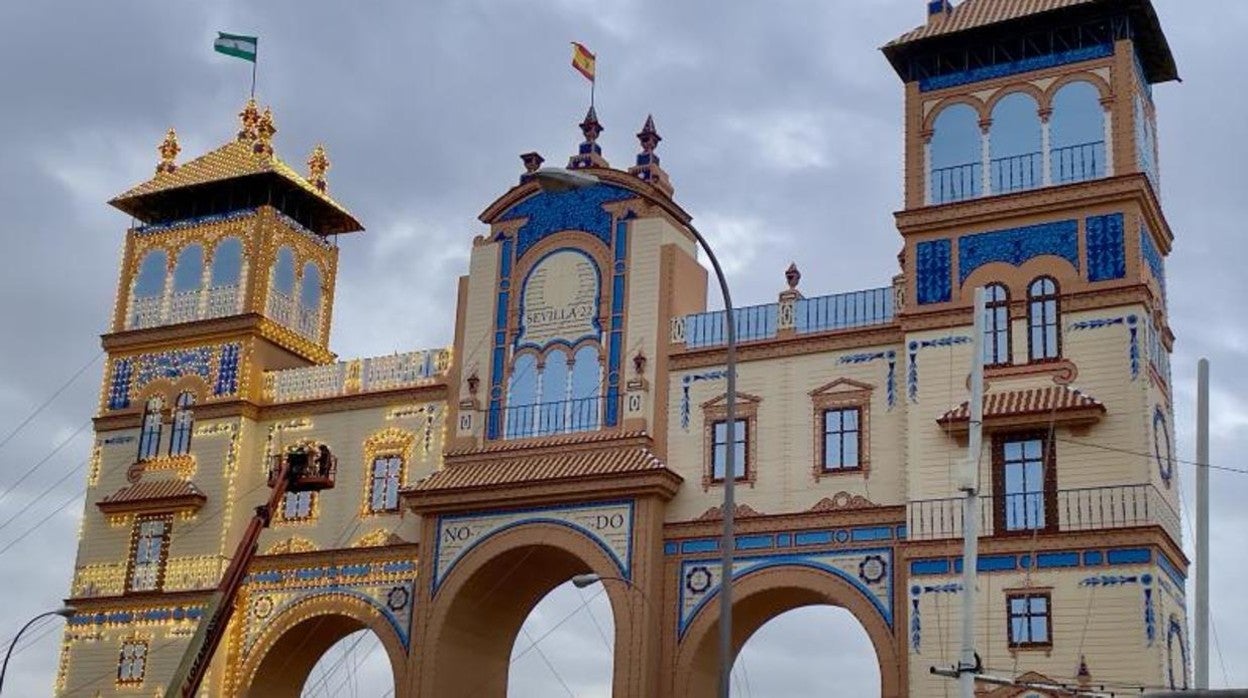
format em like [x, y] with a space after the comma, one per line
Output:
[341, 518]
[1105, 624]
[786, 436]
[90, 664]
[474, 355]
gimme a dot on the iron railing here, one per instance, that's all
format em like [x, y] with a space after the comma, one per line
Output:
[1016, 172]
[752, 323]
[1083, 509]
[1077, 163]
[841, 311]
[548, 418]
[956, 183]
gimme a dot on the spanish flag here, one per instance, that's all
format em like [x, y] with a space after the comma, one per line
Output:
[583, 60]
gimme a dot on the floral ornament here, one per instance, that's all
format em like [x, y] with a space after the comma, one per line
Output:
[698, 579]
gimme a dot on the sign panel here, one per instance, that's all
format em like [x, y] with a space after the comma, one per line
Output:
[560, 300]
[610, 525]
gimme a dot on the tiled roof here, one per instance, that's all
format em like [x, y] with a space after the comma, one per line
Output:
[979, 13]
[544, 468]
[234, 159]
[573, 439]
[1053, 399]
[148, 492]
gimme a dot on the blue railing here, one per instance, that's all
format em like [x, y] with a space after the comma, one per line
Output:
[956, 183]
[1077, 163]
[547, 418]
[1016, 172]
[842, 311]
[752, 323]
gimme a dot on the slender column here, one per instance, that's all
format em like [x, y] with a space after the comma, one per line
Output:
[1046, 147]
[1109, 139]
[1202, 525]
[985, 156]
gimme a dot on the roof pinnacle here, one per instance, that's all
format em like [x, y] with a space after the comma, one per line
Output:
[169, 150]
[264, 133]
[249, 118]
[589, 154]
[647, 168]
[318, 165]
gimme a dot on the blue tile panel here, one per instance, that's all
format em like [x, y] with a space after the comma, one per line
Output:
[933, 267]
[826, 537]
[670, 548]
[1171, 570]
[552, 212]
[1045, 560]
[1152, 257]
[119, 387]
[615, 343]
[227, 371]
[498, 360]
[1050, 60]
[1018, 245]
[1106, 253]
[699, 546]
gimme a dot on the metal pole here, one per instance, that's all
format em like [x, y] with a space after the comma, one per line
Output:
[64, 612]
[1202, 525]
[969, 484]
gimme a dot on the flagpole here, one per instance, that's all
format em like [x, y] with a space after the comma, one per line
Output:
[592, 83]
[253, 75]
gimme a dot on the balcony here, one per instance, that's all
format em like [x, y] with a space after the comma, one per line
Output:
[184, 306]
[830, 313]
[551, 418]
[407, 370]
[1086, 509]
[1006, 175]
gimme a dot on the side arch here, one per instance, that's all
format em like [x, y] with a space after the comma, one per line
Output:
[759, 596]
[473, 619]
[278, 663]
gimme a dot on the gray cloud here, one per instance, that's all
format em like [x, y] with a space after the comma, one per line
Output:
[782, 133]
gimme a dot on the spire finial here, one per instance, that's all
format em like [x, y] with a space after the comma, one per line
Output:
[590, 153]
[249, 118]
[647, 168]
[318, 165]
[169, 150]
[264, 133]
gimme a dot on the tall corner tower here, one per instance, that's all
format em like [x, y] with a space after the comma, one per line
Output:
[227, 272]
[1031, 170]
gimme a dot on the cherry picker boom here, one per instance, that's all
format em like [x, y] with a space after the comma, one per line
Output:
[305, 467]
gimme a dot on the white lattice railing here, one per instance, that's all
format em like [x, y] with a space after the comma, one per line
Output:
[222, 301]
[405, 370]
[145, 312]
[281, 307]
[309, 324]
[184, 306]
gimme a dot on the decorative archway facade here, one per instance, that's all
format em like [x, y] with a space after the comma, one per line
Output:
[576, 421]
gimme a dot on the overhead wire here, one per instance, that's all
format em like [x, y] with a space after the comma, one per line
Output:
[51, 398]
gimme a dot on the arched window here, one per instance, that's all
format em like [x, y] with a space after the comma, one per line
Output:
[310, 301]
[586, 385]
[996, 325]
[227, 262]
[955, 155]
[149, 432]
[1077, 134]
[188, 275]
[183, 421]
[150, 281]
[1043, 319]
[553, 412]
[1016, 142]
[284, 272]
[522, 397]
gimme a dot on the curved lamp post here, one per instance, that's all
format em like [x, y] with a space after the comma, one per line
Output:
[63, 611]
[558, 179]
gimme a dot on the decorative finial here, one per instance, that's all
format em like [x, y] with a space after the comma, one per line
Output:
[318, 165]
[649, 136]
[249, 118]
[532, 162]
[264, 133]
[590, 153]
[647, 168]
[793, 276]
[169, 150]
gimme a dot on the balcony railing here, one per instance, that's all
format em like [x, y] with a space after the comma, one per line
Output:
[410, 369]
[1086, 509]
[1016, 172]
[183, 306]
[957, 182]
[1077, 163]
[838, 311]
[547, 418]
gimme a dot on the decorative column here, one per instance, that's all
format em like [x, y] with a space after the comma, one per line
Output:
[786, 317]
[1046, 146]
[1108, 106]
[985, 156]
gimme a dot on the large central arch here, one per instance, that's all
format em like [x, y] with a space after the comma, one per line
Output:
[762, 595]
[478, 610]
[278, 664]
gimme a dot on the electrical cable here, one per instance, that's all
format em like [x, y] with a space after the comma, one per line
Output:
[30, 417]
[44, 460]
[541, 653]
[35, 500]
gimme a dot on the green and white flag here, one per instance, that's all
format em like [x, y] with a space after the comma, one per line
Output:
[243, 47]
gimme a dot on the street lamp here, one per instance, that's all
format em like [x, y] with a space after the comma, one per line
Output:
[63, 611]
[558, 179]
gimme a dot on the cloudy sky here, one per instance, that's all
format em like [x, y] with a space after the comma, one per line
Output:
[781, 126]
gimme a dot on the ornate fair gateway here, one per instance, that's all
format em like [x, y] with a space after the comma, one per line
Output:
[576, 423]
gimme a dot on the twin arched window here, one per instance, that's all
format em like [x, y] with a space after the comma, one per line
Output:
[183, 421]
[149, 431]
[1043, 320]
[996, 325]
[554, 396]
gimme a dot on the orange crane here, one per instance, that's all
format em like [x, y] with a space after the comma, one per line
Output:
[306, 467]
